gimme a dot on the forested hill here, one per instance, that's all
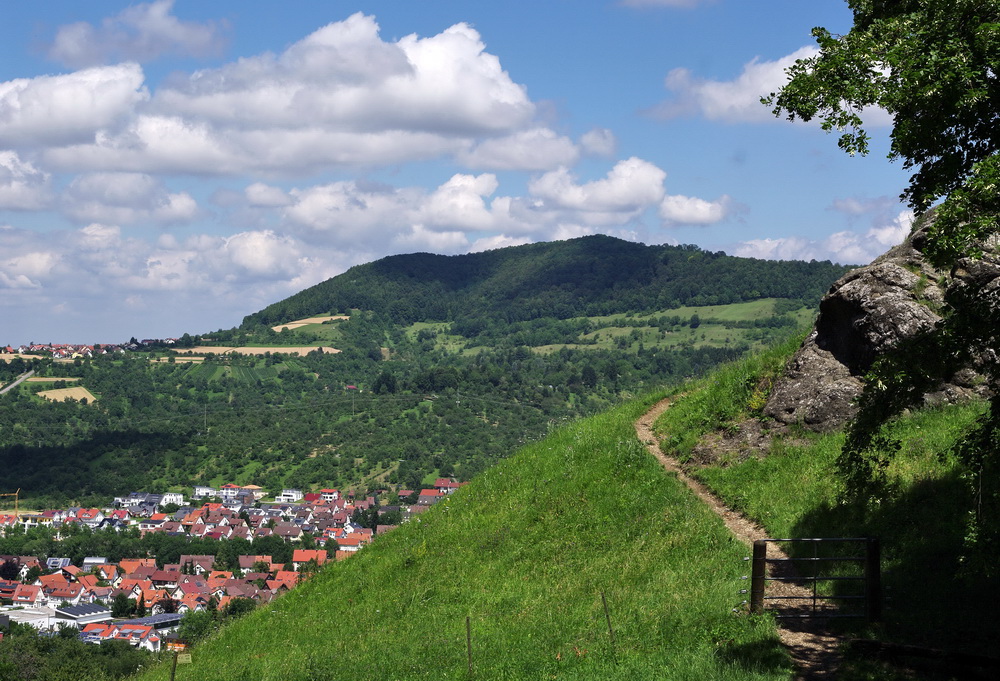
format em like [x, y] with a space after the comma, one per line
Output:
[592, 275]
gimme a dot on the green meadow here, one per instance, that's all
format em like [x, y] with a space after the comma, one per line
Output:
[528, 554]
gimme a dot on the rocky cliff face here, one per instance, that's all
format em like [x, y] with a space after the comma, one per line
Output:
[866, 312]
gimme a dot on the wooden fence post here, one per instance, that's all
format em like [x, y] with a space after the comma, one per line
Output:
[758, 576]
[873, 580]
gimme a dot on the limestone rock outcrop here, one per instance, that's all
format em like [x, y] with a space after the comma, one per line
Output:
[866, 312]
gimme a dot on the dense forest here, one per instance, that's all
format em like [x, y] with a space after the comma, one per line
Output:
[588, 276]
[282, 422]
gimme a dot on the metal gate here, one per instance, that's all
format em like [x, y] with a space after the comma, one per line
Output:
[824, 577]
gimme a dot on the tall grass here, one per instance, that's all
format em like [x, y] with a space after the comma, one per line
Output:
[728, 395]
[525, 552]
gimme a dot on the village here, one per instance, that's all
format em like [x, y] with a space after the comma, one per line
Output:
[81, 350]
[51, 593]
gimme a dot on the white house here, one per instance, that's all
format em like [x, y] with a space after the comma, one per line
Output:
[202, 492]
[172, 498]
[229, 491]
[289, 496]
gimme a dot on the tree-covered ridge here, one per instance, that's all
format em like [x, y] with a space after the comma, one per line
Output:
[279, 421]
[593, 275]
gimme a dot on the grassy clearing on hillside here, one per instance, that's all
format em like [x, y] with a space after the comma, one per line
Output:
[525, 552]
[329, 332]
[793, 490]
[754, 309]
[629, 331]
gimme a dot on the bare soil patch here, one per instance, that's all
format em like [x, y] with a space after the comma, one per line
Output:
[306, 322]
[63, 394]
[815, 652]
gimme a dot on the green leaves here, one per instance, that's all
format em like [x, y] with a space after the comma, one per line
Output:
[929, 64]
[968, 217]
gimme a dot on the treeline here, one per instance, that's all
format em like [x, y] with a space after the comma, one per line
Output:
[589, 276]
[26, 655]
[13, 368]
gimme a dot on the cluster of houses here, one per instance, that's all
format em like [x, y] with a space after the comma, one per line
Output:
[82, 595]
[84, 351]
[65, 350]
[238, 512]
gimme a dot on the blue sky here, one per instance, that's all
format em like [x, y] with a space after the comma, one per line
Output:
[171, 166]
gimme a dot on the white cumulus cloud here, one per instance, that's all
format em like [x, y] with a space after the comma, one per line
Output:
[491, 243]
[22, 186]
[599, 142]
[728, 101]
[260, 194]
[264, 254]
[126, 198]
[847, 246]
[460, 202]
[419, 238]
[631, 186]
[339, 97]
[69, 108]
[535, 149]
[690, 210]
[783, 248]
[888, 234]
[139, 33]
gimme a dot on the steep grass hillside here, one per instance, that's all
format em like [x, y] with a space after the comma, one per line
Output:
[938, 587]
[525, 552]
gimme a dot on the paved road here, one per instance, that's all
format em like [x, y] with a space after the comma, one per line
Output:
[20, 379]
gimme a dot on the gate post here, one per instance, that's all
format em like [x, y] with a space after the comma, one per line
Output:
[758, 573]
[873, 580]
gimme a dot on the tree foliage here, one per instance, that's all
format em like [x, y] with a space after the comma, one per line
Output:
[25, 655]
[593, 275]
[932, 65]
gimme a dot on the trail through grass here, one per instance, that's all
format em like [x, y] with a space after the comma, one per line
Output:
[792, 489]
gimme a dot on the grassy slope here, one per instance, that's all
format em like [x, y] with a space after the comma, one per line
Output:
[933, 598]
[607, 328]
[525, 552]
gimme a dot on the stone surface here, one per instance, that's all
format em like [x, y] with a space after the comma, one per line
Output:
[866, 312]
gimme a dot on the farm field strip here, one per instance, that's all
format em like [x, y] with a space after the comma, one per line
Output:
[257, 350]
[307, 321]
[50, 379]
[64, 394]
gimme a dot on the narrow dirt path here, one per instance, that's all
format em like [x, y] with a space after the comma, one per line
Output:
[815, 653]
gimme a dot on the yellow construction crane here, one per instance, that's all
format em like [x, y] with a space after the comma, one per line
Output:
[15, 495]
